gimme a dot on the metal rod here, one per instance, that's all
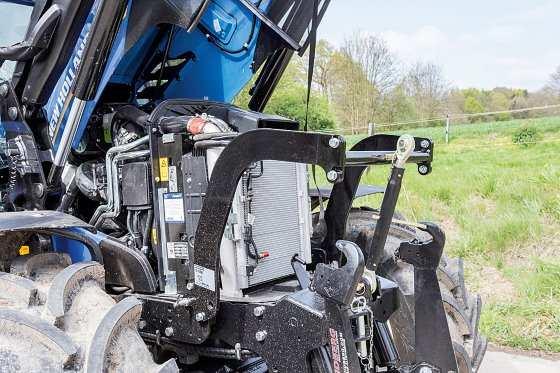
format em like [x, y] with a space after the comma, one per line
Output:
[270, 24]
[364, 158]
[115, 211]
[108, 168]
[405, 147]
[66, 140]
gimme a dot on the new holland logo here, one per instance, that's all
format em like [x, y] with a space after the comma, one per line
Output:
[69, 77]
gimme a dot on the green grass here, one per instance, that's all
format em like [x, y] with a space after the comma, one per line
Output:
[500, 205]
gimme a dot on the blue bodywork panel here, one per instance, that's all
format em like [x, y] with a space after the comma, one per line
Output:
[224, 46]
[77, 251]
[21, 2]
[221, 68]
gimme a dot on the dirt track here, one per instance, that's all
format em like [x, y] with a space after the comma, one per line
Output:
[504, 362]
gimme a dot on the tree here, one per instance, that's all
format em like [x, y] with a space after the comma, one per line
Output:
[499, 101]
[396, 106]
[289, 100]
[358, 77]
[372, 54]
[472, 106]
[323, 68]
[353, 93]
[427, 87]
[554, 83]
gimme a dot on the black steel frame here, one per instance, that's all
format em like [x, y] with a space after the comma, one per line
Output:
[247, 148]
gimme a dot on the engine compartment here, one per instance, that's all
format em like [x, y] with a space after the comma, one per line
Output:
[145, 183]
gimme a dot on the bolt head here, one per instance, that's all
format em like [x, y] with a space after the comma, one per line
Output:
[169, 331]
[190, 286]
[259, 311]
[260, 336]
[38, 190]
[142, 324]
[12, 113]
[425, 144]
[425, 370]
[200, 316]
[3, 90]
[334, 142]
[332, 175]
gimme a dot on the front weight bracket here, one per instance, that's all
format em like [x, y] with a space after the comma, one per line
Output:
[432, 338]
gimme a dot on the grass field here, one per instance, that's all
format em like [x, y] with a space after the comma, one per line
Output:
[499, 203]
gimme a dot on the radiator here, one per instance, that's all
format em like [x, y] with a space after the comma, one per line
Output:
[281, 226]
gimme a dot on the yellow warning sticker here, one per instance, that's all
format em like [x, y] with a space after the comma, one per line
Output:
[24, 250]
[164, 169]
[154, 236]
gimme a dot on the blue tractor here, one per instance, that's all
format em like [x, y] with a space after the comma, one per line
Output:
[149, 225]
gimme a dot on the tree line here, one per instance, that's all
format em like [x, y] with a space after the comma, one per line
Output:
[364, 82]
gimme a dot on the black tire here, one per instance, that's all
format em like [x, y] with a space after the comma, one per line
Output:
[463, 309]
[57, 317]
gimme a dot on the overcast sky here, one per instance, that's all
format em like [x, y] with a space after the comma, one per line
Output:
[479, 43]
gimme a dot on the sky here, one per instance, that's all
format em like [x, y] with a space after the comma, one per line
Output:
[478, 43]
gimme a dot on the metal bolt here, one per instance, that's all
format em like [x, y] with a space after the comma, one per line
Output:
[200, 316]
[334, 142]
[332, 175]
[38, 190]
[154, 129]
[238, 351]
[142, 324]
[13, 113]
[3, 90]
[169, 331]
[259, 311]
[260, 336]
[190, 286]
[425, 144]
[423, 169]
[425, 370]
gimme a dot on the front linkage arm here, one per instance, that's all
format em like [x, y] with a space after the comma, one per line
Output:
[377, 149]
[326, 151]
[300, 326]
[434, 348]
[433, 345]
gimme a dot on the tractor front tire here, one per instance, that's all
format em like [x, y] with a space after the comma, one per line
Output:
[462, 309]
[57, 317]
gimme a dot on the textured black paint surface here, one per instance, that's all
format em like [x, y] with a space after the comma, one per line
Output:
[432, 339]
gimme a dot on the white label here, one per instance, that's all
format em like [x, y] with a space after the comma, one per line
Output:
[217, 26]
[173, 208]
[173, 179]
[204, 277]
[177, 250]
[168, 138]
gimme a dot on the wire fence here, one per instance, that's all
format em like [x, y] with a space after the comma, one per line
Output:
[443, 121]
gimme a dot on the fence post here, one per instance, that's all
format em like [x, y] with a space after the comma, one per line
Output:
[371, 129]
[447, 129]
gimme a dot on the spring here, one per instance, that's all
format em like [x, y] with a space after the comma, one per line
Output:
[12, 179]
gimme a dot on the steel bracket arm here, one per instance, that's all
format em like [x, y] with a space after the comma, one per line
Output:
[373, 150]
[247, 148]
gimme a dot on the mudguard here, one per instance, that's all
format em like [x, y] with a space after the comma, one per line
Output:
[123, 266]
